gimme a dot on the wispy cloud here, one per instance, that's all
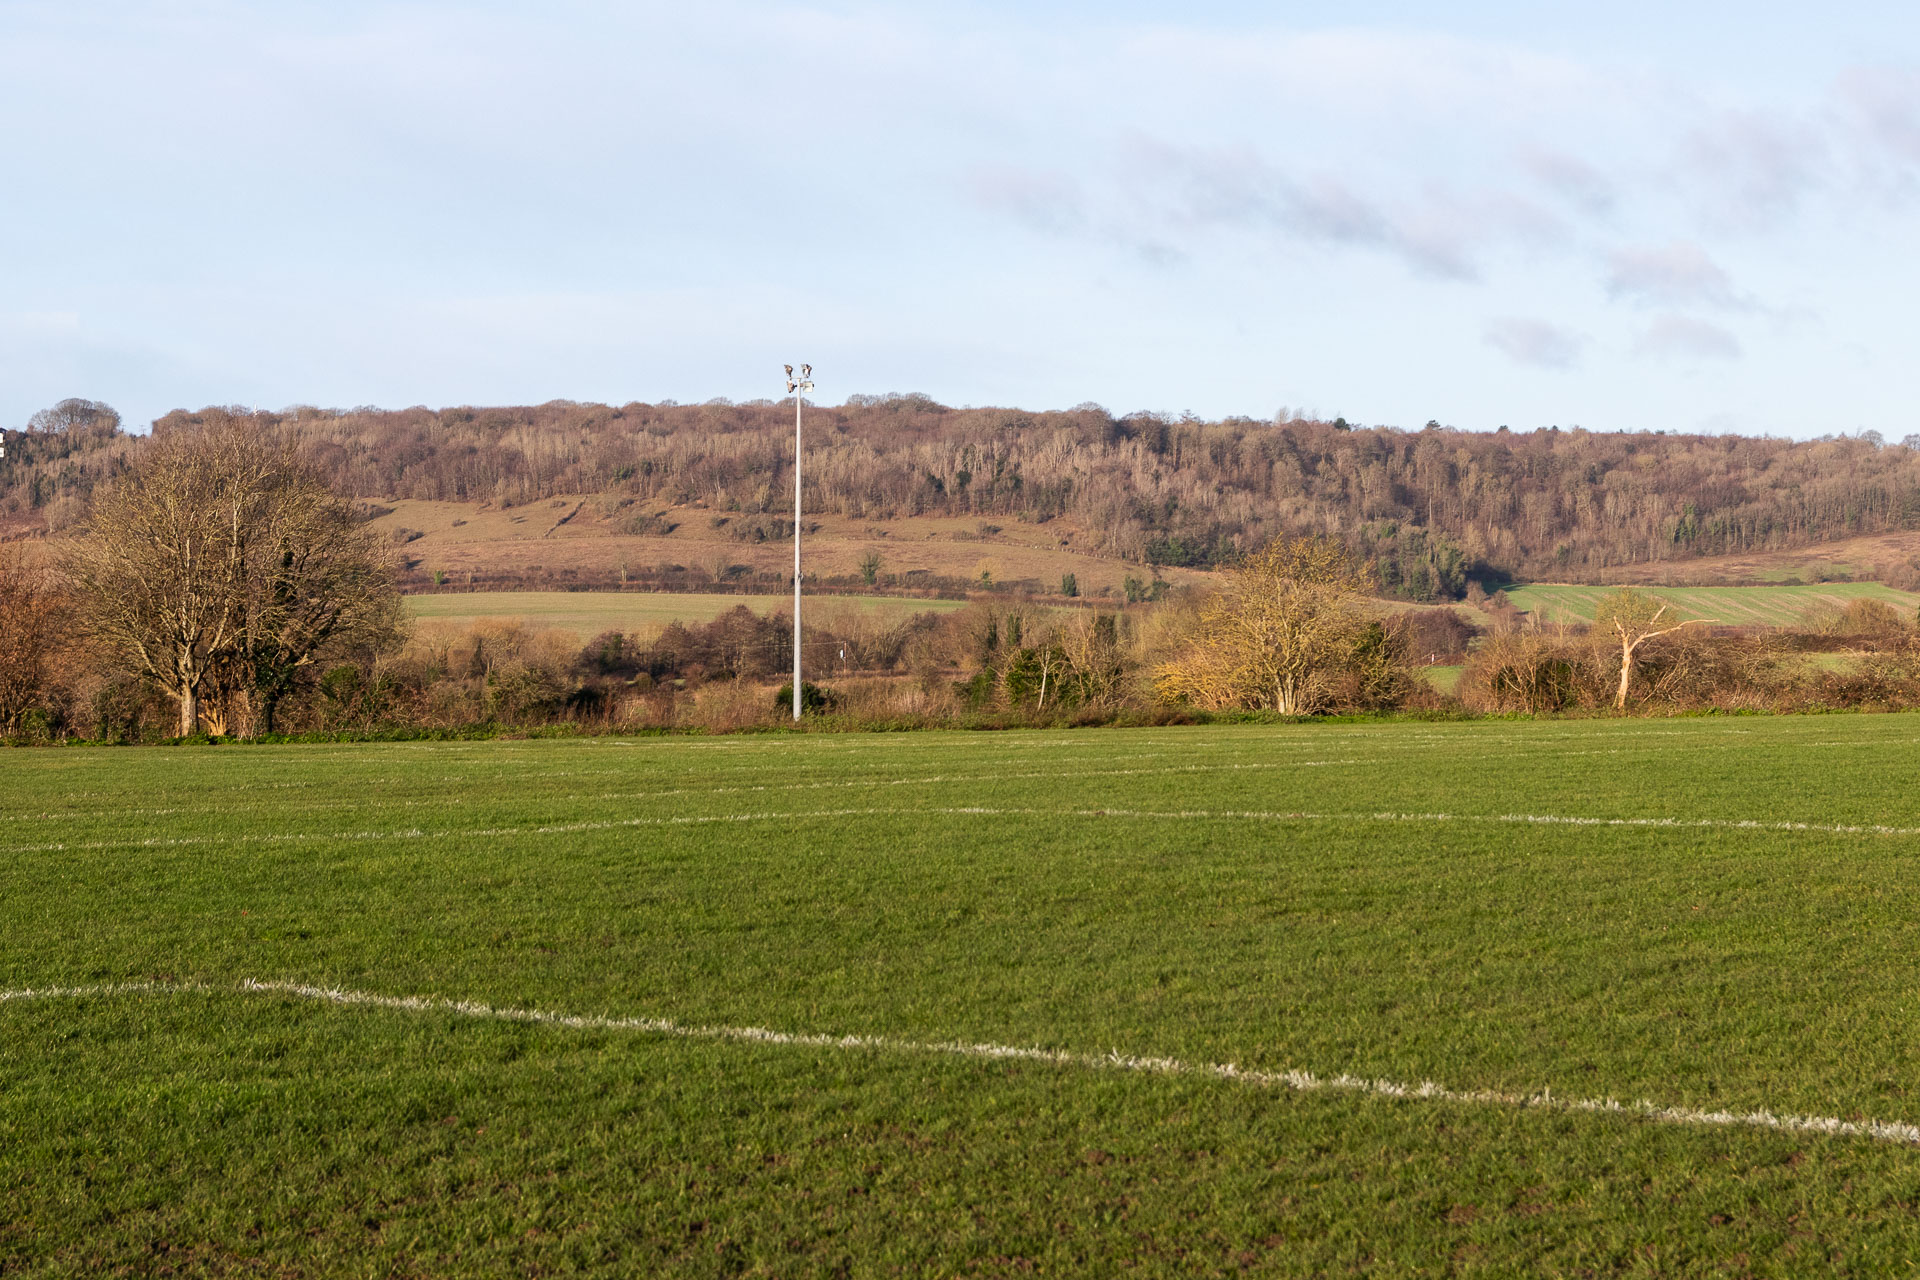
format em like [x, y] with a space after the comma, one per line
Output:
[1677, 274]
[1676, 337]
[1571, 179]
[1043, 201]
[1753, 169]
[1166, 192]
[1535, 342]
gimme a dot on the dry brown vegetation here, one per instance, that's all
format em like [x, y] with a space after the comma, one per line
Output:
[1288, 634]
[1433, 507]
[40, 672]
[211, 567]
[985, 664]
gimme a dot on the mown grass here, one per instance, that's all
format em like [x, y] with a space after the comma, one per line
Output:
[1781, 606]
[1087, 891]
[589, 613]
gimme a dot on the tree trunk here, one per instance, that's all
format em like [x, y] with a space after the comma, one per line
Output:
[1626, 674]
[189, 711]
[1286, 699]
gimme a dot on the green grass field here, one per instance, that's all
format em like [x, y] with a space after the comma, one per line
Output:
[1734, 606]
[1701, 915]
[588, 613]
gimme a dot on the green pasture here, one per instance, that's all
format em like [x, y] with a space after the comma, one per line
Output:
[1734, 606]
[588, 613]
[1720, 915]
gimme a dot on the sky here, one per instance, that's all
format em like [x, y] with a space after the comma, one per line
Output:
[1629, 216]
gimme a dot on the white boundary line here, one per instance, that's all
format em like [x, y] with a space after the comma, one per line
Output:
[1295, 1081]
[1223, 815]
[673, 792]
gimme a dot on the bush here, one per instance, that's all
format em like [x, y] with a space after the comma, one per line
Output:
[1531, 669]
[814, 700]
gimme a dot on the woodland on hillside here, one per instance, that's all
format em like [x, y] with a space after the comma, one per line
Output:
[1434, 508]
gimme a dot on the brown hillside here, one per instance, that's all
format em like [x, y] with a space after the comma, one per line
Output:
[573, 541]
[1073, 489]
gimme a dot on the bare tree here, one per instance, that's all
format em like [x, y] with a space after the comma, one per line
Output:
[34, 632]
[71, 415]
[1281, 637]
[319, 584]
[1634, 618]
[220, 565]
[1091, 643]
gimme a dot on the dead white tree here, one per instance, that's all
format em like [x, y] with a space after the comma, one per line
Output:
[1634, 619]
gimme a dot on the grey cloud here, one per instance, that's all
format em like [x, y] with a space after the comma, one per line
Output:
[1676, 274]
[1885, 104]
[1570, 178]
[1751, 169]
[1194, 188]
[1535, 342]
[1684, 338]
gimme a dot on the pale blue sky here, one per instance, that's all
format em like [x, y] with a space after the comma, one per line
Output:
[1631, 215]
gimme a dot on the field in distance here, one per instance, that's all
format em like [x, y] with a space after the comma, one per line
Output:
[589, 613]
[1735, 606]
[965, 1003]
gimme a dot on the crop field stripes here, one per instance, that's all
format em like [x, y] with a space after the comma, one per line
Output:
[984, 811]
[1297, 1081]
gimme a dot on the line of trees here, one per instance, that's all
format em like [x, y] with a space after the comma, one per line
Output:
[1434, 508]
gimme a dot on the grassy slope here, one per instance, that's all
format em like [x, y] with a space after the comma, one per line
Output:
[460, 537]
[588, 613]
[1735, 606]
[1691, 965]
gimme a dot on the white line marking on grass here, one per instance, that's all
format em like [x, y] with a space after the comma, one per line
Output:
[1295, 1081]
[97, 989]
[1222, 815]
[441, 801]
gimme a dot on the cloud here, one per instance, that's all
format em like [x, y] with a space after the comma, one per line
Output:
[1043, 201]
[1187, 189]
[1676, 274]
[1885, 104]
[1535, 342]
[1673, 337]
[1753, 169]
[1570, 178]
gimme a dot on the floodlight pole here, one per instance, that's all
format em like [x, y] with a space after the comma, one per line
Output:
[798, 388]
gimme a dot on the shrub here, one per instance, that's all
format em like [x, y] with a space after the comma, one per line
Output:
[814, 700]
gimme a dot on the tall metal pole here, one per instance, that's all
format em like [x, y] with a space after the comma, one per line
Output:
[798, 395]
[797, 388]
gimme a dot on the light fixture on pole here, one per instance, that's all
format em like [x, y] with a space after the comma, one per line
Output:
[797, 388]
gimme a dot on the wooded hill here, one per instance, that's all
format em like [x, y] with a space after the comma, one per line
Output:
[1436, 507]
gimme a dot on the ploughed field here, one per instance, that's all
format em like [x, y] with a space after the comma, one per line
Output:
[970, 1003]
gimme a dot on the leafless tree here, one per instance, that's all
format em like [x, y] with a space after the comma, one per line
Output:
[1283, 636]
[34, 634]
[1633, 618]
[221, 565]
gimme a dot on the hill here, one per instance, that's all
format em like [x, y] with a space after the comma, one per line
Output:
[1078, 491]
